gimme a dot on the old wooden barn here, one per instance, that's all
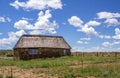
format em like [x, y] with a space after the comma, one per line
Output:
[39, 46]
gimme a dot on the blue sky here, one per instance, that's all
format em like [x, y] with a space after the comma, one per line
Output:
[87, 25]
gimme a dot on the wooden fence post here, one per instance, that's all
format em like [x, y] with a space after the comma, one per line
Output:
[11, 72]
[115, 54]
[82, 67]
[97, 54]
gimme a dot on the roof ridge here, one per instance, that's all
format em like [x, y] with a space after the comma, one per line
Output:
[40, 36]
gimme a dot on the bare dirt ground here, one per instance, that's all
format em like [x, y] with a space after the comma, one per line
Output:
[28, 73]
[21, 73]
[24, 73]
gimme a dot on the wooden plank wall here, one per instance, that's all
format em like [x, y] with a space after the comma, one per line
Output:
[22, 53]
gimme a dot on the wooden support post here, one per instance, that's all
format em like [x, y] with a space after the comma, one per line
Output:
[11, 72]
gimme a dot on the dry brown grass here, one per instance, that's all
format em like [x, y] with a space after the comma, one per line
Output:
[21, 73]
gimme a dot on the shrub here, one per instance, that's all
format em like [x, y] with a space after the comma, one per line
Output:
[1, 76]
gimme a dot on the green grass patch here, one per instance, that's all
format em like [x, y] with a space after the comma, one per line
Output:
[1, 76]
[55, 62]
[70, 66]
[7, 62]
[91, 70]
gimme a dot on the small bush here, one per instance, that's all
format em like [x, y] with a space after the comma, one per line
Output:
[9, 55]
[1, 76]
[45, 65]
[10, 77]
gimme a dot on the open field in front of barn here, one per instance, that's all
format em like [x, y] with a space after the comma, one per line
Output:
[79, 65]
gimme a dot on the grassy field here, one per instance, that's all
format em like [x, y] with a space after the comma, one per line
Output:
[76, 66]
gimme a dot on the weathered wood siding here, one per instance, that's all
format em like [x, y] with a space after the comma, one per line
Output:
[23, 53]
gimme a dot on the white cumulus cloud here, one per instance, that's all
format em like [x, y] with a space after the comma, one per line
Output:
[36, 32]
[8, 41]
[1, 33]
[117, 33]
[42, 25]
[78, 49]
[23, 24]
[75, 21]
[93, 23]
[104, 36]
[90, 49]
[111, 19]
[2, 19]
[38, 4]
[107, 15]
[12, 37]
[106, 44]
[8, 19]
[20, 33]
[85, 39]
[112, 22]
[82, 42]
[88, 30]
[5, 19]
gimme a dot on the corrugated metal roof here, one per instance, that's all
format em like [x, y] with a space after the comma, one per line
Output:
[32, 41]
